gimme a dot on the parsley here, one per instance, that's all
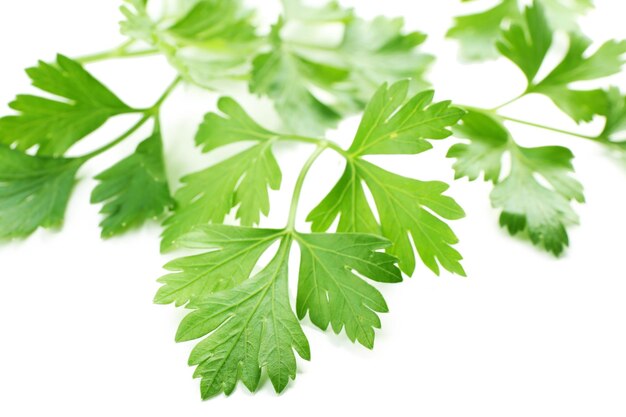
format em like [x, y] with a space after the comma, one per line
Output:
[477, 33]
[373, 225]
[535, 195]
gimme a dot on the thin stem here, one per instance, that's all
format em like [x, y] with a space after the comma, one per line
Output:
[168, 91]
[293, 210]
[552, 129]
[494, 113]
[119, 140]
[513, 100]
[119, 52]
[327, 143]
[151, 113]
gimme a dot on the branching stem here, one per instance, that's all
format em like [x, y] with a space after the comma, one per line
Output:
[327, 143]
[119, 140]
[150, 113]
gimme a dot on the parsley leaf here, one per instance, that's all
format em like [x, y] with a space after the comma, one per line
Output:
[478, 33]
[209, 20]
[246, 319]
[370, 53]
[527, 43]
[34, 191]
[135, 189]
[243, 179]
[236, 252]
[289, 79]
[391, 124]
[331, 293]
[247, 328]
[615, 123]
[579, 66]
[535, 194]
[55, 125]
[209, 40]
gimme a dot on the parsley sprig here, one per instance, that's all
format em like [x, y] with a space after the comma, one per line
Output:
[372, 227]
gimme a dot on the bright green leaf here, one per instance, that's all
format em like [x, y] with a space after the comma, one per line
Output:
[392, 124]
[135, 189]
[410, 208]
[247, 328]
[332, 294]
[615, 124]
[535, 194]
[55, 125]
[527, 44]
[235, 252]
[240, 181]
[477, 33]
[34, 191]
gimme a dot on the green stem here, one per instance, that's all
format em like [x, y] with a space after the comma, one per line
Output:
[122, 138]
[119, 52]
[549, 128]
[150, 113]
[168, 91]
[495, 114]
[320, 142]
[293, 210]
[513, 100]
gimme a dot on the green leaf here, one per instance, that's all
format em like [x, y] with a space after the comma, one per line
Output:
[246, 319]
[347, 200]
[241, 180]
[536, 193]
[137, 23]
[393, 125]
[411, 208]
[580, 66]
[615, 116]
[477, 33]
[577, 66]
[235, 252]
[564, 14]
[34, 191]
[528, 205]
[232, 126]
[135, 189]
[373, 52]
[527, 45]
[55, 125]
[580, 105]
[209, 41]
[212, 20]
[330, 291]
[314, 83]
[288, 80]
[248, 328]
[483, 154]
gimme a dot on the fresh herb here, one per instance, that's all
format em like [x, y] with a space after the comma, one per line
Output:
[536, 193]
[235, 281]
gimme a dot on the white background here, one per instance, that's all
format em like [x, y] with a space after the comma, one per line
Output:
[524, 335]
